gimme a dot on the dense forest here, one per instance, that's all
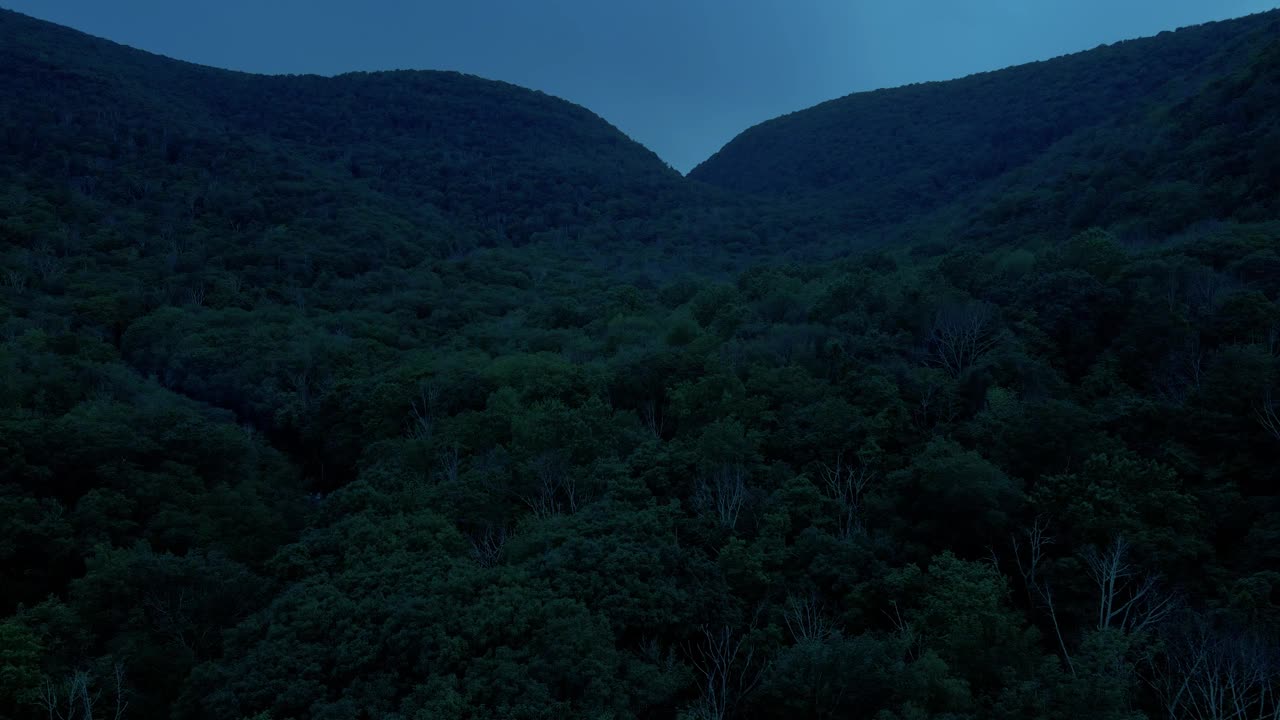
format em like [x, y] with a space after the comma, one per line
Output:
[416, 395]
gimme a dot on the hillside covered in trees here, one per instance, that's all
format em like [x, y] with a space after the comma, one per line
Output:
[417, 395]
[1146, 135]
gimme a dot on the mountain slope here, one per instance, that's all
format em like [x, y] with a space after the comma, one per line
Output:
[131, 184]
[491, 157]
[411, 395]
[888, 155]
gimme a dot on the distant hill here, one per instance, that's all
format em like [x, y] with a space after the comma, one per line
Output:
[127, 129]
[1149, 109]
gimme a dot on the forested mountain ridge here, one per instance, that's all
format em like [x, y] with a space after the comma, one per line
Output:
[990, 141]
[412, 395]
[490, 157]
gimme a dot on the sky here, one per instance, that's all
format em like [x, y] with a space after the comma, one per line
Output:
[683, 77]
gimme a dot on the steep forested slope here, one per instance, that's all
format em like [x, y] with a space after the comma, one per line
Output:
[412, 395]
[132, 184]
[1099, 118]
[126, 128]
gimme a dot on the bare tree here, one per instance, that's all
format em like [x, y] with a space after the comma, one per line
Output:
[1182, 371]
[450, 465]
[169, 617]
[1203, 674]
[847, 484]
[961, 334]
[1028, 551]
[300, 382]
[1204, 289]
[806, 620]
[422, 411]
[912, 639]
[76, 698]
[196, 294]
[486, 544]
[15, 280]
[1127, 599]
[1268, 414]
[651, 413]
[46, 263]
[555, 489]
[723, 491]
[730, 669]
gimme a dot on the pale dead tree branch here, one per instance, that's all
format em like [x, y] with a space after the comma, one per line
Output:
[300, 382]
[15, 280]
[912, 638]
[730, 669]
[121, 704]
[569, 489]
[422, 411]
[486, 545]
[1203, 674]
[806, 620]
[46, 264]
[1206, 288]
[555, 489]
[1127, 600]
[196, 294]
[1032, 545]
[1028, 552]
[961, 334]
[1170, 674]
[1182, 371]
[75, 697]
[723, 491]
[1267, 414]
[651, 413]
[169, 616]
[926, 399]
[847, 484]
[450, 465]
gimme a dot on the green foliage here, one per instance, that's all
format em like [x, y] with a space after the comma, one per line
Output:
[413, 395]
[20, 654]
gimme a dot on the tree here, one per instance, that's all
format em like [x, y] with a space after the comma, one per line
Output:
[1267, 414]
[806, 619]
[948, 497]
[1204, 673]
[730, 667]
[1128, 599]
[961, 334]
[79, 695]
[723, 491]
[846, 484]
[1028, 552]
[20, 656]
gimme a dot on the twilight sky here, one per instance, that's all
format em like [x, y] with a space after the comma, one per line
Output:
[681, 76]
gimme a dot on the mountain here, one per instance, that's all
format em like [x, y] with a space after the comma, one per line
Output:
[415, 395]
[130, 183]
[1076, 132]
[119, 126]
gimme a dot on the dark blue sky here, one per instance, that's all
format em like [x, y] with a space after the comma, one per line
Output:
[681, 76]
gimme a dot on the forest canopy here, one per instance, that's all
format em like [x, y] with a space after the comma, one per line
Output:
[417, 395]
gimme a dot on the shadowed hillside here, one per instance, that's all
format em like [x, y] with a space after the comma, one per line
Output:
[127, 129]
[412, 395]
[1102, 119]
